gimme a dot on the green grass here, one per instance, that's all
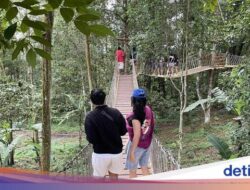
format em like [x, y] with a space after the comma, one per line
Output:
[62, 150]
[196, 147]
[67, 127]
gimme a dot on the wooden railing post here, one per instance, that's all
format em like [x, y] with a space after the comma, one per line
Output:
[213, 55]
[200, 55]
[227, 54]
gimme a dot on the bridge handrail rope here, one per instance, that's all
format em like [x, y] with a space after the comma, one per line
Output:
[162, 158]
[134, 74]
[80, 164]
[111, 98]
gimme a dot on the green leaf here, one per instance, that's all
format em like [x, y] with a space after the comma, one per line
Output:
[11, 13]
[75, 3]
[26, 3]
[38, 12]
[67, 14]
[43, 54]
[10, 31]
[38, 32]
[221, 146]
[41, 40]
[24, 27]
[195, 104]
[55, 3]
[48, 7]
[87, 17]
[4, 4]
[82, 27]
[36, 24]
[85, 10]
[10, 148]
[101, 30]
[19, 47]
[31, 57]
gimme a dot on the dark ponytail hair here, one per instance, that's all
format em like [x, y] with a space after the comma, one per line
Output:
[138, 108]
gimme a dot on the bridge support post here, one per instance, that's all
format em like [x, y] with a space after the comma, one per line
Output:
[200, 54]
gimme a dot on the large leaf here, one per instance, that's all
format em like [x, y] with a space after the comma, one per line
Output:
[41, 41]
[37, 127]
[19, 47]
[101, 30]
[55, 3]
[10, 31]
[87, 17]
[43, 54]
[4, 4]
[38, 12]
[36, 24]
[9, 149]
[31, 57]
[195, 104]
[221, 146]
[77, 3]
[27, 4]
[67, 14]
[219, 95]
[11, 13]
[83, 27]
[24, 28]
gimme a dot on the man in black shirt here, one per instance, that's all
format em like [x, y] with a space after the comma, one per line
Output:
[104, 127]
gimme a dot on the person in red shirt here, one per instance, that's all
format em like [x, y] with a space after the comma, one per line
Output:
[120, 58]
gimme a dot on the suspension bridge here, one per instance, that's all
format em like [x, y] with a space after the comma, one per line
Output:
[161, 159]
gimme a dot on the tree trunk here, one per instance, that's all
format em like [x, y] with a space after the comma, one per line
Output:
[180, 134]
[208, 105]
[46, 118]
[84, 110]
[11, 158]
[88, 62]
[2, 70]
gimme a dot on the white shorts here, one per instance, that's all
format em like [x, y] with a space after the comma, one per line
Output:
[120, 65]
[102, 163]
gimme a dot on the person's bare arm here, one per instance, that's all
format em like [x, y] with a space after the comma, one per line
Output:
[137, 134]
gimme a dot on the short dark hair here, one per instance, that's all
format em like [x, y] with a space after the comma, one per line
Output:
[119, 48]
[97, 96]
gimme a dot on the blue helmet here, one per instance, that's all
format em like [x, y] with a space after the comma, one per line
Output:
[139, 93]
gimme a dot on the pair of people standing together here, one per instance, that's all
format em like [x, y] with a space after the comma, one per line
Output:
[104, 127]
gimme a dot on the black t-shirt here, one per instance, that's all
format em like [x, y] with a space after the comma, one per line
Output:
[104, 127]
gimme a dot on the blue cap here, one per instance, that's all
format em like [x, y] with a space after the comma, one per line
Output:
[139, 93]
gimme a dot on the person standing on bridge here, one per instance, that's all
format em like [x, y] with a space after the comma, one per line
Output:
[104, 127]
[140, 126]
[120, 58]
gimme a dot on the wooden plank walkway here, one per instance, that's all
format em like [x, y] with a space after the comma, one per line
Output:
[123, 104]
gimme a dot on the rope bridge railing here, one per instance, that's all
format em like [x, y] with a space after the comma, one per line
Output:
[80, 164]
[134, 74]
[162, 158]
[210, 60]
